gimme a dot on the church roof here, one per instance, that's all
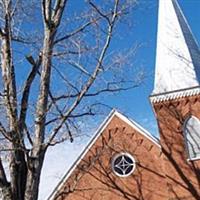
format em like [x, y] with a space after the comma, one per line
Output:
[97, 134]
[177, 56]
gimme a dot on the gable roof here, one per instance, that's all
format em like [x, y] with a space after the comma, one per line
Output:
[177, 54]
[98, 132]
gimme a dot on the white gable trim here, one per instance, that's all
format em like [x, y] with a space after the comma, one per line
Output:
[101, 128]
[156, 98]
[139, 128]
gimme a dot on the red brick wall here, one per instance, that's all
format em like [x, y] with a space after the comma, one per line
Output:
[183, 176]
[93, 178]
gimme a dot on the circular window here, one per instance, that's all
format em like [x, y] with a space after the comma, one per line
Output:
[123, 164]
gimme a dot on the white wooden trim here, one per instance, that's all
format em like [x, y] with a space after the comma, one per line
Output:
[155, 98]
[193, 159]
[139, 128]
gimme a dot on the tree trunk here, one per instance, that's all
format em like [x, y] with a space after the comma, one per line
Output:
[36, 159]
[18, 174]
[33, 177]
[6, 193]
[18, 167]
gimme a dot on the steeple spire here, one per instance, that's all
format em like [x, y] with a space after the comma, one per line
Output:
[178, 55]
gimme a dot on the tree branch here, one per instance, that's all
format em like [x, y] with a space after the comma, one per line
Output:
[5, 133]
[71, 116]
[46, 8]
[4, 184]
[78, 30]
[58, 11]
[107, 89]
[1, 33]
[27, 87]
[79, 67]
[100, 12]
[91, 80]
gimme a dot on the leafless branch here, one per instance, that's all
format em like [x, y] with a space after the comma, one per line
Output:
[89, 113]
[79, 67]
[58, 11]
[46, 8]
[35, 111]
[1, 33]
[100, 91]
[4, 132]
[92, 78]
[99, 11]
[3, 180]
[80, 29]
[27, 87]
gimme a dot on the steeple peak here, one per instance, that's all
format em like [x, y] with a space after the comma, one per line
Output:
[178, 55]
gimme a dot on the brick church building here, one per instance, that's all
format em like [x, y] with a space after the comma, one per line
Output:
[125, 162]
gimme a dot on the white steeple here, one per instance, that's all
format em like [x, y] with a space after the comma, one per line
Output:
[178, 55]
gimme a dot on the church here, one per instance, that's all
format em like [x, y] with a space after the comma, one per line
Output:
[123, 161]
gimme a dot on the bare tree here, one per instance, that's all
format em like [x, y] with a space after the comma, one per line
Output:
[53, 58]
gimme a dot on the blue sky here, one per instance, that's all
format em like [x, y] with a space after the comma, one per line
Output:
[134, 103]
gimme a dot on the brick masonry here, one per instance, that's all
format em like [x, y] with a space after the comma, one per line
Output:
[162, 172]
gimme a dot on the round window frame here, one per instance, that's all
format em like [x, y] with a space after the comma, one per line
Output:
[123, 154]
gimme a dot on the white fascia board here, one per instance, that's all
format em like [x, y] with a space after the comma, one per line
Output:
[139, 128]
[98, 132]
[156, 98]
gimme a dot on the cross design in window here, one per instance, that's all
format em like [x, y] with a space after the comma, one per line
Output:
[123, 164]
